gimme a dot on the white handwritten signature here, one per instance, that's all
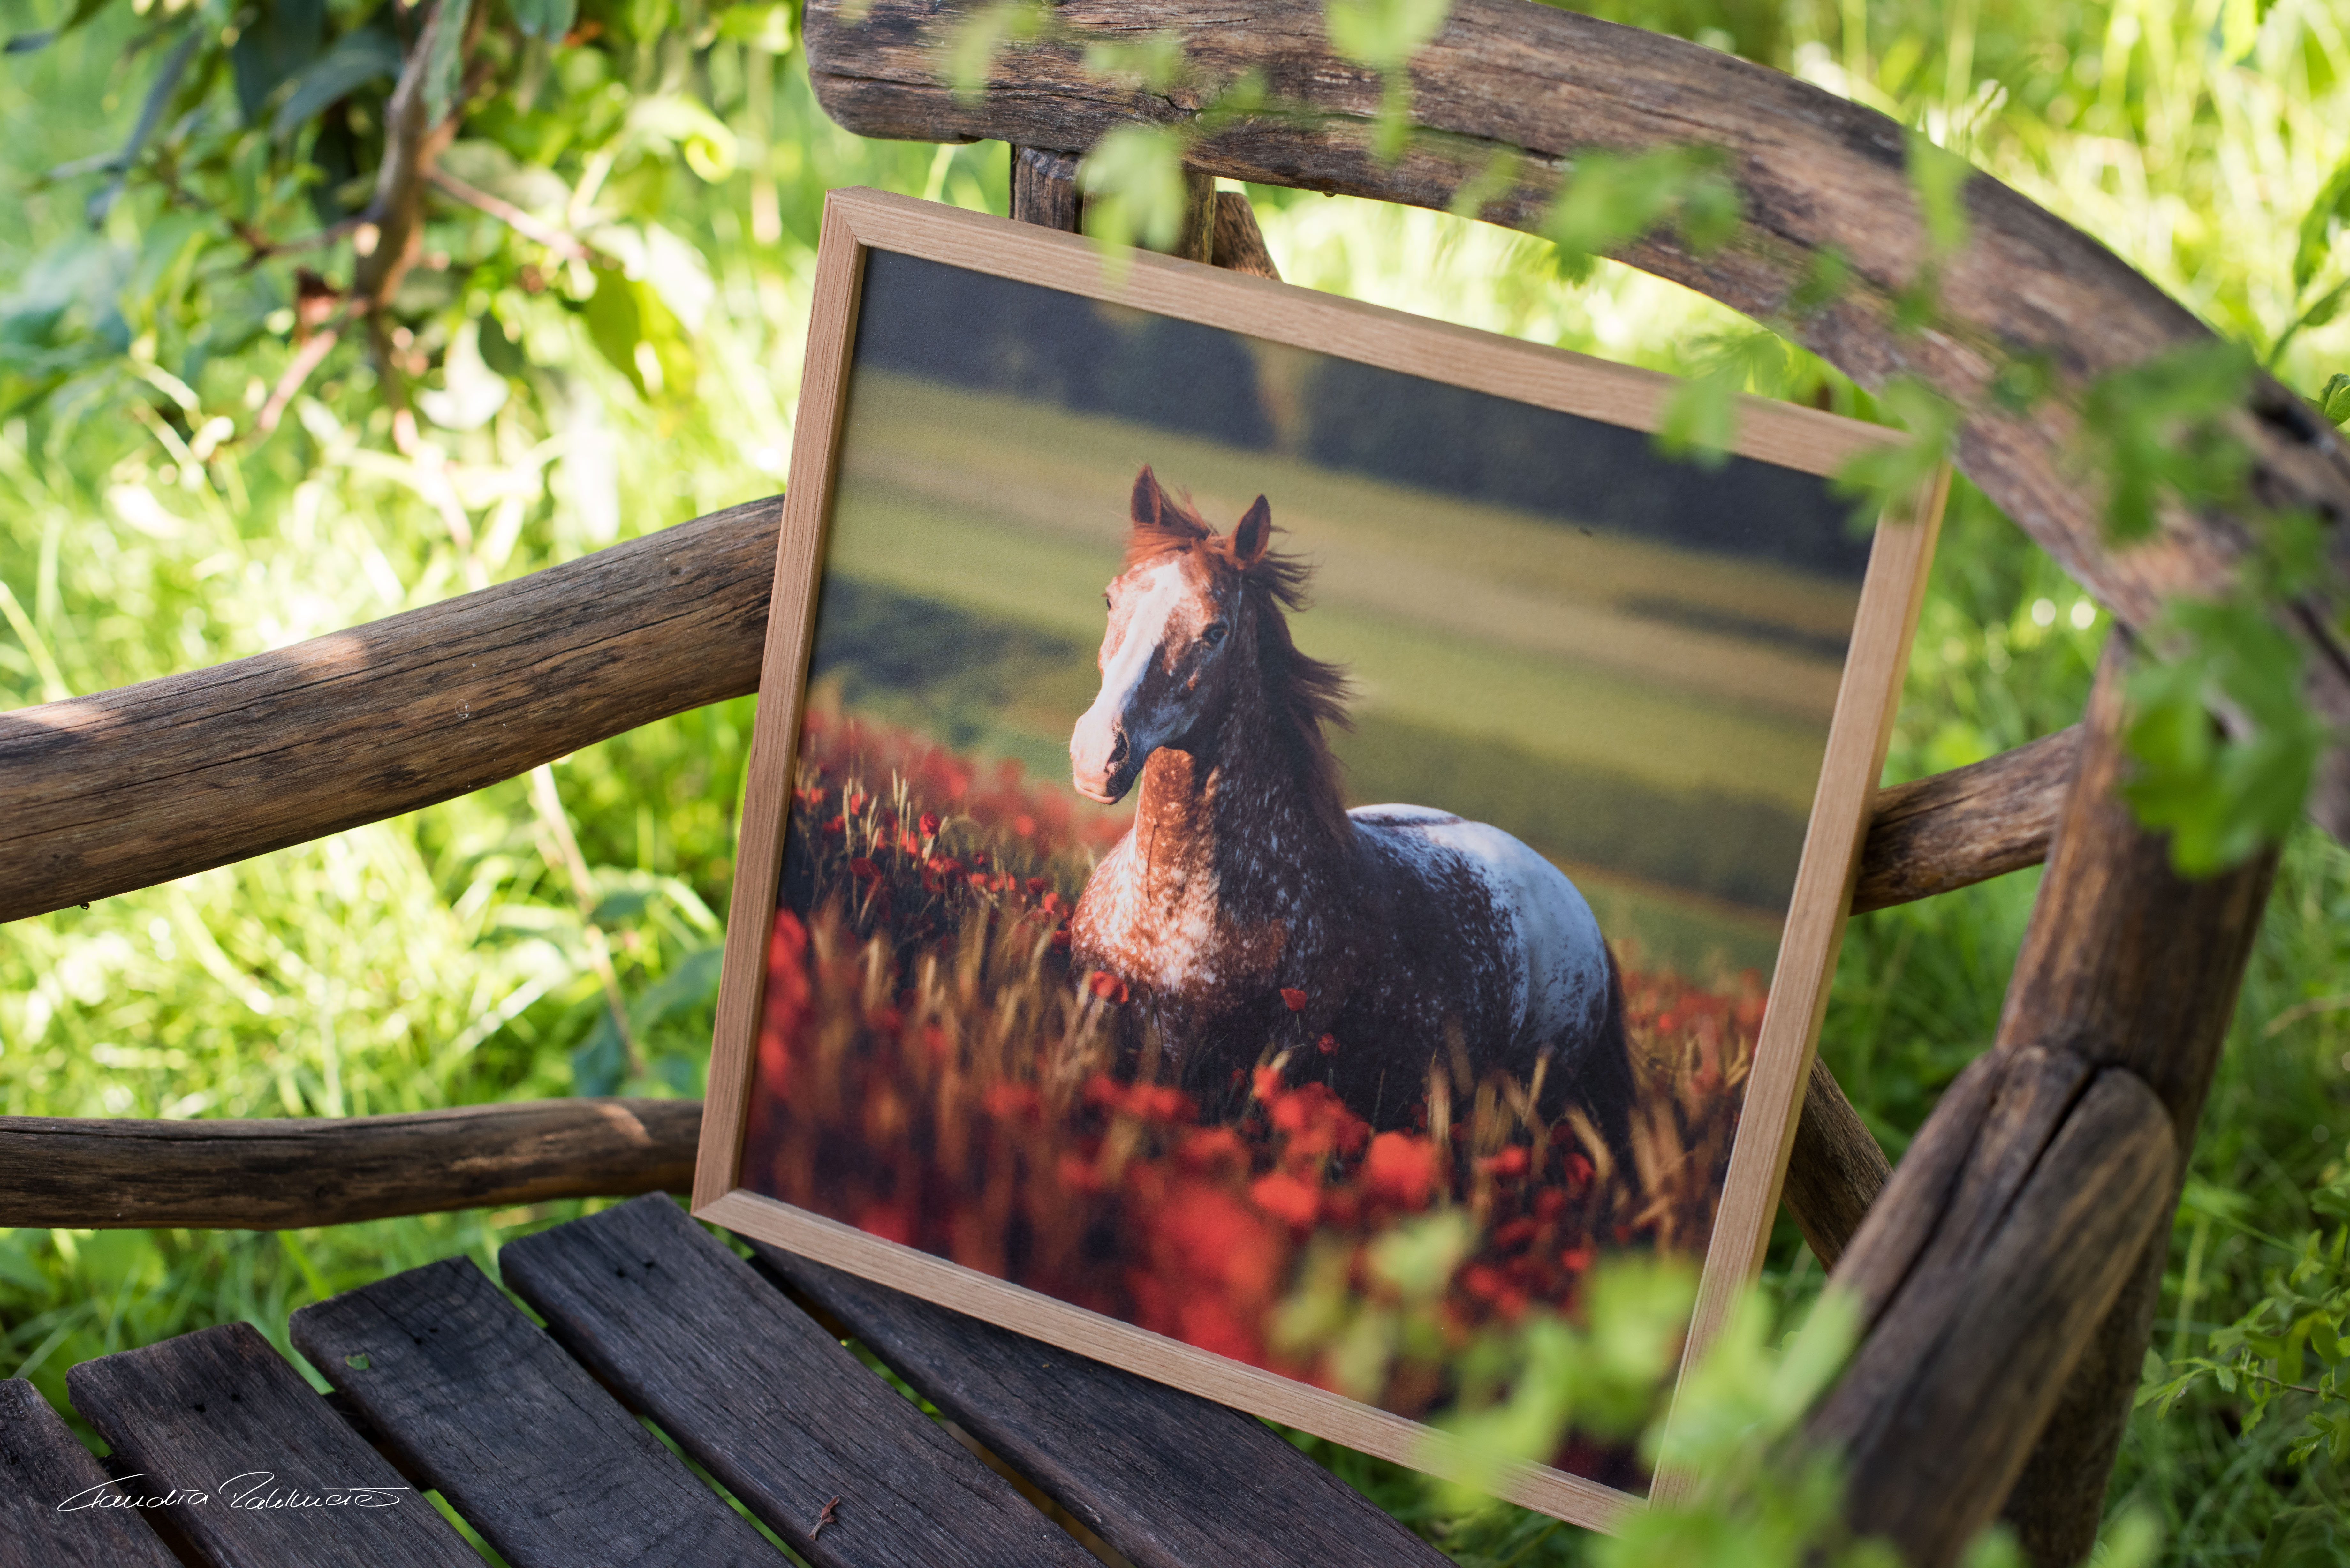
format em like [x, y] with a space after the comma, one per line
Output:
[252, 1489]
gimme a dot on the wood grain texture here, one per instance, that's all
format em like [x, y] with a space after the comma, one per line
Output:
[1814, 172]
[482, 1405]
[1967, 825]
[2064, 1186]
[1239, 244]
[1776, 1085]
[42, 1465]
[1836, 1169]
[1218, 1377]
[138, 785]
[291, 1172]
[766, 1401]
[1168, 1478]
[2128, 964]
[1045, 189]
[219, 1414]
[792, 574]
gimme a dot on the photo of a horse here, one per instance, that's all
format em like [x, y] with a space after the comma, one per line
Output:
[1247, 910]
[1284, 858]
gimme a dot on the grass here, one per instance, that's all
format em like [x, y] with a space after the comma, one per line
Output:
[2190, 135]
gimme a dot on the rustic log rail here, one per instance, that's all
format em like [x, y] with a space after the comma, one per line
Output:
[292, 1172]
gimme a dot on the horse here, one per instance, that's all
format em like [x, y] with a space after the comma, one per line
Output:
[1247, 910]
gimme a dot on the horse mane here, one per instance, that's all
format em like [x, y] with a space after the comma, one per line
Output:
[1308, 693]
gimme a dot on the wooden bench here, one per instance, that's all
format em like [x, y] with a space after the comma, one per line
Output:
[537, 1437]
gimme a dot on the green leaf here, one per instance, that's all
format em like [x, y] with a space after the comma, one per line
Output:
[971, 49]
[1939, 178]
[1383, 33]
[355, 59]
[26, 43]
[2221, 796]
[615, 323]
[2160, 426]
[1892, 472]
[766, 27]
[1155, 64]
[1134, 186]
[551, 19]
[1611, 200]
[2320, 224]
[444, 60]
[151, 115]
[2334, 400]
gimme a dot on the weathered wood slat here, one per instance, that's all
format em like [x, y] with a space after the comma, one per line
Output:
[286, 1173]
[1168, 1478]
[482, 1405]
[42, 1466]
[264, 1472]
[766, 1401]
[100, 794]
[1816, 174]
[1967, 825]
[1836, 1169]
[2134, 967]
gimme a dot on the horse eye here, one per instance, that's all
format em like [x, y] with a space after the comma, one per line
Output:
[1215, 634]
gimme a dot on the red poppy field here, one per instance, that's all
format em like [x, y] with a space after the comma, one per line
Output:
[932, 1069]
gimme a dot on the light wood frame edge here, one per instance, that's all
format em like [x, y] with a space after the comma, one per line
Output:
[1802, 439]
[775, 729]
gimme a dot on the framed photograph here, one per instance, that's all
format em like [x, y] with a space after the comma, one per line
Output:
[1283, 839]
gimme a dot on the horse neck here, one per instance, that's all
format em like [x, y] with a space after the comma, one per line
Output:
[1250, 816]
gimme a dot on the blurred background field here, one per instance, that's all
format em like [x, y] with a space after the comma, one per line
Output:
[445, 958]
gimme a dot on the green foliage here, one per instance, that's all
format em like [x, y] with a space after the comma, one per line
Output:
[2289, 1352]
[1611, 200]
[1135, 193]
[2222, 796]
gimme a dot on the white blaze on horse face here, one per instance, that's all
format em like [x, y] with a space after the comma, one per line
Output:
[1094, 742]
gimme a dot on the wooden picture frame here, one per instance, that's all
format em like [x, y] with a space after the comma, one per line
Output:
[859, 224]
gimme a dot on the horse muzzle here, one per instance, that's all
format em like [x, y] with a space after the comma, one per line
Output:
[1101, 760]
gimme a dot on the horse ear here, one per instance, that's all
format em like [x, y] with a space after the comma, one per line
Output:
[1149, 500]
[1254, 535]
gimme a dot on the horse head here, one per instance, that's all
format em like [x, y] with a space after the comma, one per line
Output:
[1176, 613]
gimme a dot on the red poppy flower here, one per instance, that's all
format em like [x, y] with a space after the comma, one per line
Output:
[864, 870]
[1108, 986]
[1286, 1198]
[929, 824]
[1326, 1044]
[1399, 1168]
[1293, 999]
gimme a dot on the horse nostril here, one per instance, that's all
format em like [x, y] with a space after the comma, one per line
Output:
[1117, 747]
